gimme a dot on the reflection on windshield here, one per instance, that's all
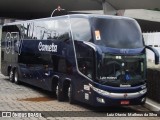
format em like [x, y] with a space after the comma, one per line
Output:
[117, 33]
[118, 70]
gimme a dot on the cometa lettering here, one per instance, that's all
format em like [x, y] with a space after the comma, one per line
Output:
[47, 48]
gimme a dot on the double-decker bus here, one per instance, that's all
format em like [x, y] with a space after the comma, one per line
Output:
[95, 59]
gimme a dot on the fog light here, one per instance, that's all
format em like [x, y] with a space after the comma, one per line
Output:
[143, 99]
[100, 100]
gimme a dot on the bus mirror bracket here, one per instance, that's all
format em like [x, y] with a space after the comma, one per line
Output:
[156, 54]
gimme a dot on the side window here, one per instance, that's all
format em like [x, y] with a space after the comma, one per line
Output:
[40, 30]
[63, 29]
[28, 30]
[53, 29]
[85, 59]
[81, 29]
[62, 65]
[31, 58]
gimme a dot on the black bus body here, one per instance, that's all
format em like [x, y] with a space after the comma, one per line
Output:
[95, 59]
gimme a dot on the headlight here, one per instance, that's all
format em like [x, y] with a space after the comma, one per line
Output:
[102, 92]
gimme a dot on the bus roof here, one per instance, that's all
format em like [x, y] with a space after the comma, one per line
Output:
[73, 15]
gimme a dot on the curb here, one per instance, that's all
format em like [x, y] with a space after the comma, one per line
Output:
[152, 105]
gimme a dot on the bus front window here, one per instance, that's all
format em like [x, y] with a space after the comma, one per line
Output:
[117, 33]
[121, 70]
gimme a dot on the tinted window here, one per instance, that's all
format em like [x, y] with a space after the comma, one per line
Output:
[117, 33]
[115, 70]
[31, 58]
[85, 59]
[54, 29]
[81, 29]
[28, 30]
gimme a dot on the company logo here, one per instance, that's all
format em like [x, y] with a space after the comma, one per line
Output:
[124, 51]
[47, 48]
[125, 95]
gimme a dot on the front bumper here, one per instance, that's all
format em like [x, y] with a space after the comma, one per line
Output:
[104, 98]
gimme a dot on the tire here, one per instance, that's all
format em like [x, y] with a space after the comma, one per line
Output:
[16, 77]
[70, 94]
[11, 78]
[59, 93]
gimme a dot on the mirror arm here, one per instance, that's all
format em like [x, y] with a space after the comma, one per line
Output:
[156, 54]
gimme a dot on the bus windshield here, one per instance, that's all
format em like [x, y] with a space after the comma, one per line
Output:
[117, 33]
[116, 70]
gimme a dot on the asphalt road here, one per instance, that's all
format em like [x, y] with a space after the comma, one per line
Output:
[21, 100]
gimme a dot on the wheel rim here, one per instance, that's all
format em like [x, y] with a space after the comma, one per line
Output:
[11, 75]
[69, 92]
[16, 77]
[57, 90]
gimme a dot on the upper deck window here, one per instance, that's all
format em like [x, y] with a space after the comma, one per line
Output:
[117, 33]
[81, 29]
[53, 29]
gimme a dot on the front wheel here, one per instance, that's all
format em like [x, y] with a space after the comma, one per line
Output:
[70, 94]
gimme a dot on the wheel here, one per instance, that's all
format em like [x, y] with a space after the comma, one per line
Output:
[16, 77]
[59, 93]
[11, 78]
[70, 94]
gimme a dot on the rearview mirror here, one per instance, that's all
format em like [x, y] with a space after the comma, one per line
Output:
[156, 54]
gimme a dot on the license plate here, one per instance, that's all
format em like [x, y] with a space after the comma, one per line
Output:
[125, 102]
